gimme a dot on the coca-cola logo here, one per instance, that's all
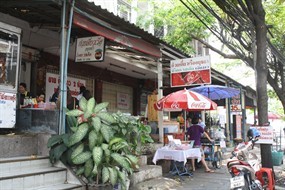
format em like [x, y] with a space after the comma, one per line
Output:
[175, 105]
[198, 105]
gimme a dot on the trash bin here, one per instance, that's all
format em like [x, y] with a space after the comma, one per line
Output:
[277, 158]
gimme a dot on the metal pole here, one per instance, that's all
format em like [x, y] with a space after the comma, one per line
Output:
[66, 63]
[160, 94]
[64, 59]
[61, 129]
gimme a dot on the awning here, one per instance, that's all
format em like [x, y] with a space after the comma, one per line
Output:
[129, 41]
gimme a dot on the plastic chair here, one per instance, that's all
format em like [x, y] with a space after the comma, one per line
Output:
[270, 182]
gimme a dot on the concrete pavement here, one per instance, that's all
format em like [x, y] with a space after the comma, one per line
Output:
[219, 180]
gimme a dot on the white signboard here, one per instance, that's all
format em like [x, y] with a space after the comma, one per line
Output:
[7, 110]
[190, 64]
[123, 101]
[53, 82]
[90, 49]
[266, 134]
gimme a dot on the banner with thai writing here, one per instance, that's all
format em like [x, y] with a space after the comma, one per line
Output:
[90, 49]
[53, 82]
[266, 134]
[8, 102]
[190, 71]
[235, 104]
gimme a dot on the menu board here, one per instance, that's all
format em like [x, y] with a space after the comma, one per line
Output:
[7, 110]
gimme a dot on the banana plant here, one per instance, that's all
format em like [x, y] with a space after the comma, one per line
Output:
[101, 146]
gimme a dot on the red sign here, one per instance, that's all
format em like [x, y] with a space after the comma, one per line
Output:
[190, 71]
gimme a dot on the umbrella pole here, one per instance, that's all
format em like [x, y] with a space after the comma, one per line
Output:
[185, 122]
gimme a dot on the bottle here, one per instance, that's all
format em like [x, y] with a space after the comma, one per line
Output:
[26, 101]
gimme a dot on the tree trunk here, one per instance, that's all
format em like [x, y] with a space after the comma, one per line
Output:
[261, 76]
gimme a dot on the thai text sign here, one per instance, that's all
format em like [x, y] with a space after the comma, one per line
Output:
[53, 82]
[90, 49]
[7, 110]
[190, 71]
[266, 134]
[123, 101]
[236, 104]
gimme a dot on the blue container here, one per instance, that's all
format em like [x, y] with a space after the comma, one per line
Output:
[277, 158]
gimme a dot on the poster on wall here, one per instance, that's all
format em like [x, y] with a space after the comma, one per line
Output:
[190, 71]
[53, 82]
[7, 110]
[90, 49]
[235, 104]
[123, 101]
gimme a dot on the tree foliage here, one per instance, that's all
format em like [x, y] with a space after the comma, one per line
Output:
[235, 24]
[171, 18]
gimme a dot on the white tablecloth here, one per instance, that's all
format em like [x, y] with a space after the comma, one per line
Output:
[176, 155]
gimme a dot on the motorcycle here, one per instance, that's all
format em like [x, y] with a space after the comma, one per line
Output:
[243, 167]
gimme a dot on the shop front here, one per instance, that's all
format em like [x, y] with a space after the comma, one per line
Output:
[118, 79]
[124, 77]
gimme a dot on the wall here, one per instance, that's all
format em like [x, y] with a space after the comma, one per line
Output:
[23, 145]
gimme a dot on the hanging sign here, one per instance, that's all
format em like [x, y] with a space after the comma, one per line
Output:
[190, 71]
[90, 49]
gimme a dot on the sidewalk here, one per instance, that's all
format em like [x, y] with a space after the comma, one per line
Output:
[220, 180]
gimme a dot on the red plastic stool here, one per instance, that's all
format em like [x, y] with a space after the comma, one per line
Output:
[270, 176]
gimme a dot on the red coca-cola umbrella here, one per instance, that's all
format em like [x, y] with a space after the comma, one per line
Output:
[186, 100]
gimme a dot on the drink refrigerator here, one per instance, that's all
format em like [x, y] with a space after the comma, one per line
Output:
[10, 37]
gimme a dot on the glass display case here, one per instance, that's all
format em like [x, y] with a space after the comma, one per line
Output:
[9, 64]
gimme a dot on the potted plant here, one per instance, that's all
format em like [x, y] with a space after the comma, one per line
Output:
[101, 147]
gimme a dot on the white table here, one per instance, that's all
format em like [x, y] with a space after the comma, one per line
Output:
[179, 157]
[176, 155]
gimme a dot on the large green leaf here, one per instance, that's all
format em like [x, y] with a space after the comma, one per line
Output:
[56, 152]
[57, 139]
[105, 174]
[113, 175]
[53, 140]
[100, 107]
[96, 123]
[106, 132]
[83, 104]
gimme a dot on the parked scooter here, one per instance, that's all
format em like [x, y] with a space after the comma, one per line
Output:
[243, 167]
